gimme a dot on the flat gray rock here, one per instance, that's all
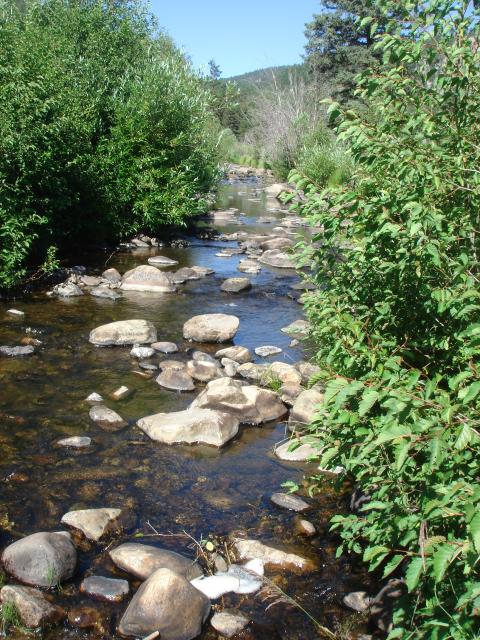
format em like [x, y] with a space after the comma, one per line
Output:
[124, 332]
[106, 418]
[107, 589]
[165, 347]
[162, 261]
[296, 329]
[146, 278]
[105, 292]
[229, 622]
[277, 258]
[175, 379]
[14, 352]
[271, 556]
[142, 352]
[211, 327]
[112, 275]
[300, 453]
[290, 502]
[191, 426]
[77, 442]
[141, 560]
[236, 285]
[268, 350]
[237, 353]
[94, 523]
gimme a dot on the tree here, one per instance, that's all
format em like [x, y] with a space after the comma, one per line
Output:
[338, 48]
[214, 70]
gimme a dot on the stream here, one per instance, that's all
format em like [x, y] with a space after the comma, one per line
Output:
[197, 489]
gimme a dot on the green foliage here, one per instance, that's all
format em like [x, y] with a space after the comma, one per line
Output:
[92, 100]
[395, 317]
[323, 160]
[339, 43]
[9, 617]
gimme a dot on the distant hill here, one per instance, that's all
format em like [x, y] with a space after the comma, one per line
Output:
[262, 79]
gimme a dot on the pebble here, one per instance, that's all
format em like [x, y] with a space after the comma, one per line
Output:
[229, 622]
[14, 352]
[94, 397]
[142, 352]
[306, 528]
[16, 312]
[121, 393]
[165, 347]
[78, 442]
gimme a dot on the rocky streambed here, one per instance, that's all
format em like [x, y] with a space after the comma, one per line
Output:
[146, 411]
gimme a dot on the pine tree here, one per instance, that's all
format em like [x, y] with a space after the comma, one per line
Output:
[338, 47]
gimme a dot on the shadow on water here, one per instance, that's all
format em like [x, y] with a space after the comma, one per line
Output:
[197, 489]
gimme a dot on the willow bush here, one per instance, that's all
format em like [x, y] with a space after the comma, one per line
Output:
[395, 317]
[104, 127]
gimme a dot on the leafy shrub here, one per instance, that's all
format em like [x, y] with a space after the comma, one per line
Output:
[323, 160]
[395, 317]
[74, 78]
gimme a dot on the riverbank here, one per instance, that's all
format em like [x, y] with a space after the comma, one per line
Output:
[166, 493]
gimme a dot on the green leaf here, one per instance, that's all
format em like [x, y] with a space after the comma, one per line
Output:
[369, 398]
[474, 530]
[392, 565]
[441, 561]
[413, 573]
[467, 394]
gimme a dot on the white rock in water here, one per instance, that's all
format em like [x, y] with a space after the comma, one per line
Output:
[268, 350]
[121, 393]
[142, 352]
[124, 332]
[76, 441]
[216, 586]
[15, 312]
[94, 397]
[162, 261]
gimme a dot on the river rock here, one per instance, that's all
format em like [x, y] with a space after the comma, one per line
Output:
[165, 347]
[176, 365]
[253, 549]
[201, 356]
[211, 327]
[105, 292]
[94, 397]
[307, 370]
[275, 190]
[289, 501]
[90, 281]
[250, 404]
[297, 329]
[141, 560]
[106, 418]
[31, 605]
[94, 523]
[230, 367]
[162, 261]
[166, 603]
[41, 559]
[357, 600]
[229, 622]
[305, 528]
[16, 313]
[142, 352]
[175, 379]
[204, 371]
[203, 271]
[267, 350]
[121, 393]
[236, 285]
[249, 266]
[112, 275]
[186, 273]
[14, 352]
[191, 426]
[276, 243]
[253, 372]
[77, 442]
[285, 372]
[124, 332]
[67, 290]
[238, 354]
[107, 589]
[83, 617]
[300, 454]
[146, 278]
[277, 258]
[305, 407]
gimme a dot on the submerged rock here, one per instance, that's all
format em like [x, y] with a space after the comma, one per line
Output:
[357, 600]
[290, 502]
[107, 589]
[165, 347]
[305, 528]
[32, 606]
[268, 350]
[124, 332]
[300, 453]
[252, 549]
[211, 327]
[166, 603]
[105, 292]
[162, 261]
[236, 285]
[77, 442]
[94, 523]
[229, 622]
[15, 313]
[14, 352]
[297, 329]
[141, 560]
[191, 426]
[146, 278]
[41, 559]
[250, 404]
[106, 418]
[277, 258]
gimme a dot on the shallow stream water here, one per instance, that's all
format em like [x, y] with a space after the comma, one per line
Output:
[197, 489]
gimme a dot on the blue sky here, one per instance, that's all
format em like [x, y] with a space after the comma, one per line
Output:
[240, 35]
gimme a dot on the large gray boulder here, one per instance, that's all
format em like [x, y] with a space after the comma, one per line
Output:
[277, 258]
[146, 278]
[305, 407]
[248, 403]
[141, 560]
[191, 426]
[166, 603]
[94, 523]
[41, 559]
[124, 332]
[32, 606]
[211, 327]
